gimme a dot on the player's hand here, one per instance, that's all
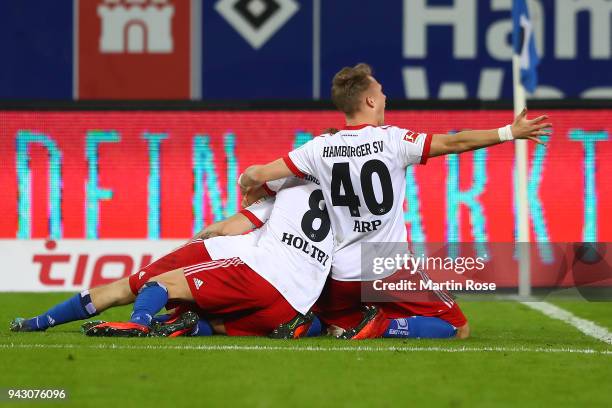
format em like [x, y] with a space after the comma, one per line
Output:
[205, 234]
[243, 188]
[245, 201]
[249, 196]
[531, 129]
[212, 230]
[247, 191]
[252, 195]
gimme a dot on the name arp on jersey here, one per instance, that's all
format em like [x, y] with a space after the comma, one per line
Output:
[306, 247]
[365, 149]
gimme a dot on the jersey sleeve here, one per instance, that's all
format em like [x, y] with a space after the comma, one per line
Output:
[259, 212]
[301, 161]
[413, 147]
[274, 186]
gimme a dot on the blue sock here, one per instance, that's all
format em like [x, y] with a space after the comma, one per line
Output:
[77, 307]
[150, 300]
[420, 327]
[203, 328]
[315, 328]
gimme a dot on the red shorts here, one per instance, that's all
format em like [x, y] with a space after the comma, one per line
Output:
[227, 288]
[340, 305]
[189, 254]
[248, 304]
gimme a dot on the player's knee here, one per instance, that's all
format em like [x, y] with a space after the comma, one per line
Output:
[463, 332]
[175, 284]
[114, 294]
[124, 294]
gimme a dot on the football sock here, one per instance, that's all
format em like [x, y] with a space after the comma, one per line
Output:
[420, 327]
[78, 307]
[150, 300]
[203, 328]
[315, 328]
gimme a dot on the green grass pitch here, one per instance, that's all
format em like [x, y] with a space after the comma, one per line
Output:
[516, 357]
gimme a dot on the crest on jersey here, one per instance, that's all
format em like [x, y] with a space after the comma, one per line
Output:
[410, 136]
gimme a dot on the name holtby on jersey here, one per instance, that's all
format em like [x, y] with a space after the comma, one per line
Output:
[306, 247]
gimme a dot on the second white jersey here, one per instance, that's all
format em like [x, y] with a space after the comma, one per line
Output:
[293, 249]
[362, 171]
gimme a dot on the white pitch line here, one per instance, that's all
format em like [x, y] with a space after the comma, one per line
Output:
[585, 326]
[204, 347]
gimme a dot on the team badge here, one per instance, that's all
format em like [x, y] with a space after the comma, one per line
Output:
[410, 136]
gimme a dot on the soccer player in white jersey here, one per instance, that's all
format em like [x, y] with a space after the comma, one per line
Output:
[362, 173]
[253, 283]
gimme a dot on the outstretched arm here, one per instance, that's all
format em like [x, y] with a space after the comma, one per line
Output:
[235, 225]
[522, 128]
[254, 216]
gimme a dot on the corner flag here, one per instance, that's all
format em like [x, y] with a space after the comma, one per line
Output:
[524, 44]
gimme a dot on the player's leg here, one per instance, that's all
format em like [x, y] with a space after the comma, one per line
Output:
[116, 293]
[80, 306]
[247, 304]
[426, 320]
[192, 253]
[463, 332]
[432, 314]
[307, 325]
[152, 298]
[184, 324]
[340, 308]
[156, 293]
[388, 320]
[186, 320]
[226, 288]
[94, 301]
[218, 287]
[189, 254]
[263, 321]
[419, 327]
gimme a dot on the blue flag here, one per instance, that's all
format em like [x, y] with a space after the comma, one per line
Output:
[524, 44]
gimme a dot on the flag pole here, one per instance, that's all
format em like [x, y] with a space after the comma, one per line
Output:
[520, 188]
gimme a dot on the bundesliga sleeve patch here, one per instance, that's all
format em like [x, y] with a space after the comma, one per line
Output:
[410, 136]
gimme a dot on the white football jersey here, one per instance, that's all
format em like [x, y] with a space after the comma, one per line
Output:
[362, 171]
[293, 249]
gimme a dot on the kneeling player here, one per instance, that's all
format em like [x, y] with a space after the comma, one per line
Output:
[434, 315]
[240, 278]
[253, 282]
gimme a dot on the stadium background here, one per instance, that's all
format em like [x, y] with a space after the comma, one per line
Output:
[120, 126]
